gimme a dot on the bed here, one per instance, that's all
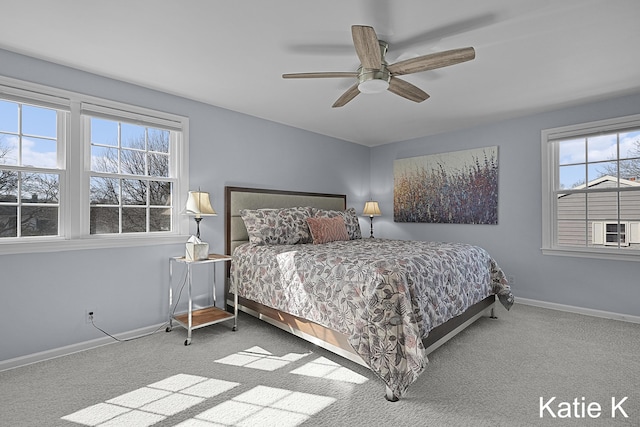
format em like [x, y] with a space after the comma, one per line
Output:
[385, 304]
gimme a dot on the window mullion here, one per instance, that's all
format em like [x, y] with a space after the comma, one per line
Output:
[555, 184]
[135, 177]
[147, 208]
[19, 205]
[63, 173]
[618, 199]
[75, 188]
[120, 201]
[586, 196]
[20, 138]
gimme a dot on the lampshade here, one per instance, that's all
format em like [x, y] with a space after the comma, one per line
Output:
[198, 204]
[371, 209]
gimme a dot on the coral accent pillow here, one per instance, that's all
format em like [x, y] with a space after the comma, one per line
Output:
[326, 230]
[350, 220]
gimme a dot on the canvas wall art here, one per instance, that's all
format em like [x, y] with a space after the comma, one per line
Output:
[459, 187]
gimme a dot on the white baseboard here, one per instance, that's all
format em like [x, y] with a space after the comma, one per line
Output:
[579, 310]
[75, 348]
[86, 345]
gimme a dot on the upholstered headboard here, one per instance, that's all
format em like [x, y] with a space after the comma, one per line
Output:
[237, 198]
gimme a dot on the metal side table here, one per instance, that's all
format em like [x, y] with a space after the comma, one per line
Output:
[194, 319]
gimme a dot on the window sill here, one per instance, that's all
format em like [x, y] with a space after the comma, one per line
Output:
[616, 254]
[93, 242]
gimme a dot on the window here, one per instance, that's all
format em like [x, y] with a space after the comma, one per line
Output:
[81, 172]
[591, 189]
[130, 179]
[30, 169]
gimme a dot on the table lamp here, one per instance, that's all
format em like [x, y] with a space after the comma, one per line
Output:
[371, 209]
[198, 205]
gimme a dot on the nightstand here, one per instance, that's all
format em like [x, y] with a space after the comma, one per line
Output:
[199, 318]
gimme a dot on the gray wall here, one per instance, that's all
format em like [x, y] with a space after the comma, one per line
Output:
[44, 296]
[515, 242]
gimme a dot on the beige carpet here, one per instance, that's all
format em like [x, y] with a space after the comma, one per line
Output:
[493, 374]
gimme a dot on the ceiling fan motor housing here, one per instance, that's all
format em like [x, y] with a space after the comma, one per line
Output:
[375, 80]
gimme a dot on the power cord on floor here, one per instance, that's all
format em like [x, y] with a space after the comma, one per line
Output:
[126, 339]
[165, 324]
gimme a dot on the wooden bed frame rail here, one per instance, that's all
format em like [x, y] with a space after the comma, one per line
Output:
[336, 342]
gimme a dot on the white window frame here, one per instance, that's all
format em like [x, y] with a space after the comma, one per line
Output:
[89, 111]
[74, 161]
[61, 107]
[550, 180]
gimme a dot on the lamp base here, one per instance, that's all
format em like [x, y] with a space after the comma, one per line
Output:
[371, 219]
[198, 219]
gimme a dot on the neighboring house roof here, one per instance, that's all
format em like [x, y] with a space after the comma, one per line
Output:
[603, 180]
[608, 178]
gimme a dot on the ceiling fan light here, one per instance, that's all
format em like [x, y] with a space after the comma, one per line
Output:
[373, 86]
[373, 81]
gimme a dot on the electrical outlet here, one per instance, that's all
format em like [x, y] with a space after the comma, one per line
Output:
[511, 279]
[88, 315]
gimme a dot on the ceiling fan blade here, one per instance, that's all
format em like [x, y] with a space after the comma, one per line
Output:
[432, 61]
[436, 34]
[351, 93]
[407, 90]
[379, 14]
[329, 74]
[367, 46]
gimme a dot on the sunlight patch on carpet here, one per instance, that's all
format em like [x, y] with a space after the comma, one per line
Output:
[259, 358]
[151, 404]
[263, 406]
[325, 368]
[96, 414]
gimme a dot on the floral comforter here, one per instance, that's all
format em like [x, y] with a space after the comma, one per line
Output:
[385, 295]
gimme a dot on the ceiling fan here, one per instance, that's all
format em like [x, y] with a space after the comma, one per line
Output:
[375, 75]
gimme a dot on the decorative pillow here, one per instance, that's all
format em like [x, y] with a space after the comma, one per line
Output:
[326, 230]
[286, 226]
[350, 220]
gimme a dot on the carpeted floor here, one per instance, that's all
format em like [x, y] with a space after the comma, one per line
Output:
[495, 373]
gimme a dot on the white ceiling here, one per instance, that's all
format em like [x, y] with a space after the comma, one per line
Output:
[531, 55]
